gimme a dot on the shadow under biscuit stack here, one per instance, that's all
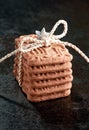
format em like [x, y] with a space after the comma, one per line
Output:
[46, 72]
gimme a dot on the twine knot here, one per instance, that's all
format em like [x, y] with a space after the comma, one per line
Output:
[48, 37]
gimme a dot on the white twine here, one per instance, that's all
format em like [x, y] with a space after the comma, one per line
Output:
[43, 39]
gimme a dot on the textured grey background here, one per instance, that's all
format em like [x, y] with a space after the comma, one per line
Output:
[18, 17]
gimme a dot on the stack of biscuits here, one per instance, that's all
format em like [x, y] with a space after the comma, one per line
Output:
[46, 71]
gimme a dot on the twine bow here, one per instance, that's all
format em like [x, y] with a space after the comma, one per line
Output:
[43, 39]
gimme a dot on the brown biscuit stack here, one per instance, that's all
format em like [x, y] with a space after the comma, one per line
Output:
[46, 72]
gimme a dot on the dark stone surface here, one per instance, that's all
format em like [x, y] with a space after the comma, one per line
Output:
[18, 17]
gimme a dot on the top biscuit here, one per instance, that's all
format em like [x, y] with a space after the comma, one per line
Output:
[55, 53]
